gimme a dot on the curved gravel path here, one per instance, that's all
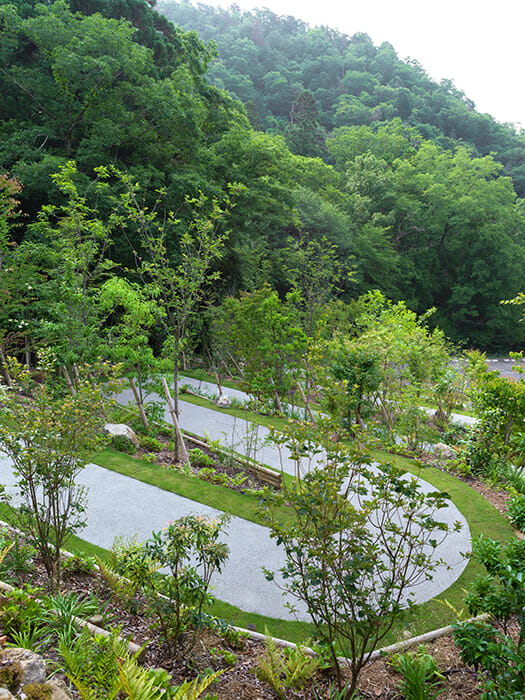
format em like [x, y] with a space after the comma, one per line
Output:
[120, 505]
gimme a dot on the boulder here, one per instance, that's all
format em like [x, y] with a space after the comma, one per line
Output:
[31, 666]
[121, 430]
[6, 695]
[444, 451]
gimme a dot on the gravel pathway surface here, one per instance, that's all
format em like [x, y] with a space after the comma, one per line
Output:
[122, 506]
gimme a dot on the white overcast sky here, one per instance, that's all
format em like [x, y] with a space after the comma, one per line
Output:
[479, 44]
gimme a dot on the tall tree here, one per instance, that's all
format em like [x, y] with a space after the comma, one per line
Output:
[179, 284]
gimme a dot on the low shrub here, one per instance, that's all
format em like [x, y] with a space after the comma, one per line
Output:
[516, 511]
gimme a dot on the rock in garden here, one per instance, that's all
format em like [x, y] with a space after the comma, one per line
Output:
[32, 666]
[224, 401]
[123, 431]
[96, 620]
[444, 451]
[59, 689]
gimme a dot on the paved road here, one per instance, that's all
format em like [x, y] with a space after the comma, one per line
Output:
[244, 437]
[503, 365]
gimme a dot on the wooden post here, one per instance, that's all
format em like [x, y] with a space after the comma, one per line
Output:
[176, 425]
[307, 405]
[68, 380]
[139, 404]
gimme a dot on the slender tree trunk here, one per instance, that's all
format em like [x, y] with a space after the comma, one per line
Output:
[227, 369]
[307, 404]
[139, 403]
[77, 375]
[174, 418]
[27, 350]
[6, 374]
[237, 366]
[178, 445]
[215, 372]
[68, 380]
[276, 396]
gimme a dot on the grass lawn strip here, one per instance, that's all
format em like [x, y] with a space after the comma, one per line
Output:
[481, 516]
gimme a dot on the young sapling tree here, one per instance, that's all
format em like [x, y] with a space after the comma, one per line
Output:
[361, 537]
[49, 437]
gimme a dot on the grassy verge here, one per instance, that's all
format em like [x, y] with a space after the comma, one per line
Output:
[481, 516]
[219, 497]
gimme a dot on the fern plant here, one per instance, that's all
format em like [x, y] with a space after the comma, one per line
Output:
[421, 675]
[122, 588]
[283, 669]
[154, 684]
[300, 667]
[143, 684]
[191, 690]
[91, 664]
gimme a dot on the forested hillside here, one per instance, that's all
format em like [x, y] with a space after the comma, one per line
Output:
[268, 61]
[359, 178]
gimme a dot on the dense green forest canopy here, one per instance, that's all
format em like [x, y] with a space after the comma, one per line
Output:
[268, 61]
[402, 202]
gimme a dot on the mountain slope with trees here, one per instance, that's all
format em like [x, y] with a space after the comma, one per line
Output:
[269, 61]
[116, 88]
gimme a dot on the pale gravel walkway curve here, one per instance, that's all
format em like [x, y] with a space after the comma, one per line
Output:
[122, 506]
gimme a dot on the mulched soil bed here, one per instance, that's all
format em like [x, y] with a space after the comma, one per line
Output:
[228, 468]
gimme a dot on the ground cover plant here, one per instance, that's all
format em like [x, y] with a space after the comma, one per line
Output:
[217, 649]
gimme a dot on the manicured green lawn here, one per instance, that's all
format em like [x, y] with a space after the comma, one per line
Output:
[481, 516]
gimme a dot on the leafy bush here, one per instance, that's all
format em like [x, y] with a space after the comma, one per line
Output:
[150, 458]
[516, 511]
[200, 458]
[123, 444]
[17, 561]
[500, 593]
[21, 609]
[151, 444]
[78, 563]
[155, 411]
[216, 477]
[190, 548]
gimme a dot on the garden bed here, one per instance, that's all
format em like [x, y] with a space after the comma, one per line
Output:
[236, 656]
[207, 463]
